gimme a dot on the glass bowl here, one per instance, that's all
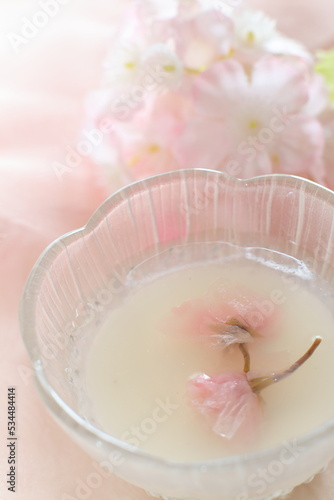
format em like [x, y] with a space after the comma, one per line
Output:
[82, 275]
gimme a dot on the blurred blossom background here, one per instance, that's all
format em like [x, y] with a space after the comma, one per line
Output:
[71, 132]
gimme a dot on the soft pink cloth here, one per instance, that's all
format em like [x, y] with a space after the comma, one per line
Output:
[43, 87]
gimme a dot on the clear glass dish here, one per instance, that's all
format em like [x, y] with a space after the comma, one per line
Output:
[83, 274]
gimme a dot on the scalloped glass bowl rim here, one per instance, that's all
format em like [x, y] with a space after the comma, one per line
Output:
[54, 402]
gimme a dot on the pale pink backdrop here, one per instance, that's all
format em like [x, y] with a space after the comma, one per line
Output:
[42, 91]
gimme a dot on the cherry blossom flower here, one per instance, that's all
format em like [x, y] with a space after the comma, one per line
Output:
[228, 403]
[195, 319]
[123, 64]
[145, 142]
[224, 317]
[200, 40]
[250, 100]
[178, 42]
[253, 121]
[161, 57]
[255, 33]
[254, 28]
[134, 64]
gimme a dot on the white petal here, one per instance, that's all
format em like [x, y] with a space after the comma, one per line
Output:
[123, 63]
[286, 46]
[159, 9]
[253, 28]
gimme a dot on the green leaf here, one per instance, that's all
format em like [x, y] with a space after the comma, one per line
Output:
[325, 67]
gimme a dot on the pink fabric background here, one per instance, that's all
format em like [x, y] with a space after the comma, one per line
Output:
[42, 91]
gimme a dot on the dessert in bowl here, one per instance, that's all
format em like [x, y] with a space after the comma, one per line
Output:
[185, 339]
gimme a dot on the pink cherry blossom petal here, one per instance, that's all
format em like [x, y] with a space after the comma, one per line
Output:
[255, 312]
[280, 84]
[300, 149]
[206, 318]
[228, 404]
[202, 145]
[216, 29]
[220, 88]
[226, 335]
[318, 96]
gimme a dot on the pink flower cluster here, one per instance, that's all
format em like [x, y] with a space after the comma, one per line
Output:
[191, 85]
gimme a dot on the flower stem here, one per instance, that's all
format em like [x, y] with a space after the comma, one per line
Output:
[245, 353]
[260, 383]
[243, 347]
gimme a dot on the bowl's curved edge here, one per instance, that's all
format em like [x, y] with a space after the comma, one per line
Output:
[37, 274]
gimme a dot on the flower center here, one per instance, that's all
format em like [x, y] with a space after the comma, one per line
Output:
[169, 68]
[253, 124]
[275, 159]
[250, 37]
[137, 158]
[153, 148]
[129, 65]
[228, 55]
[195, 71]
